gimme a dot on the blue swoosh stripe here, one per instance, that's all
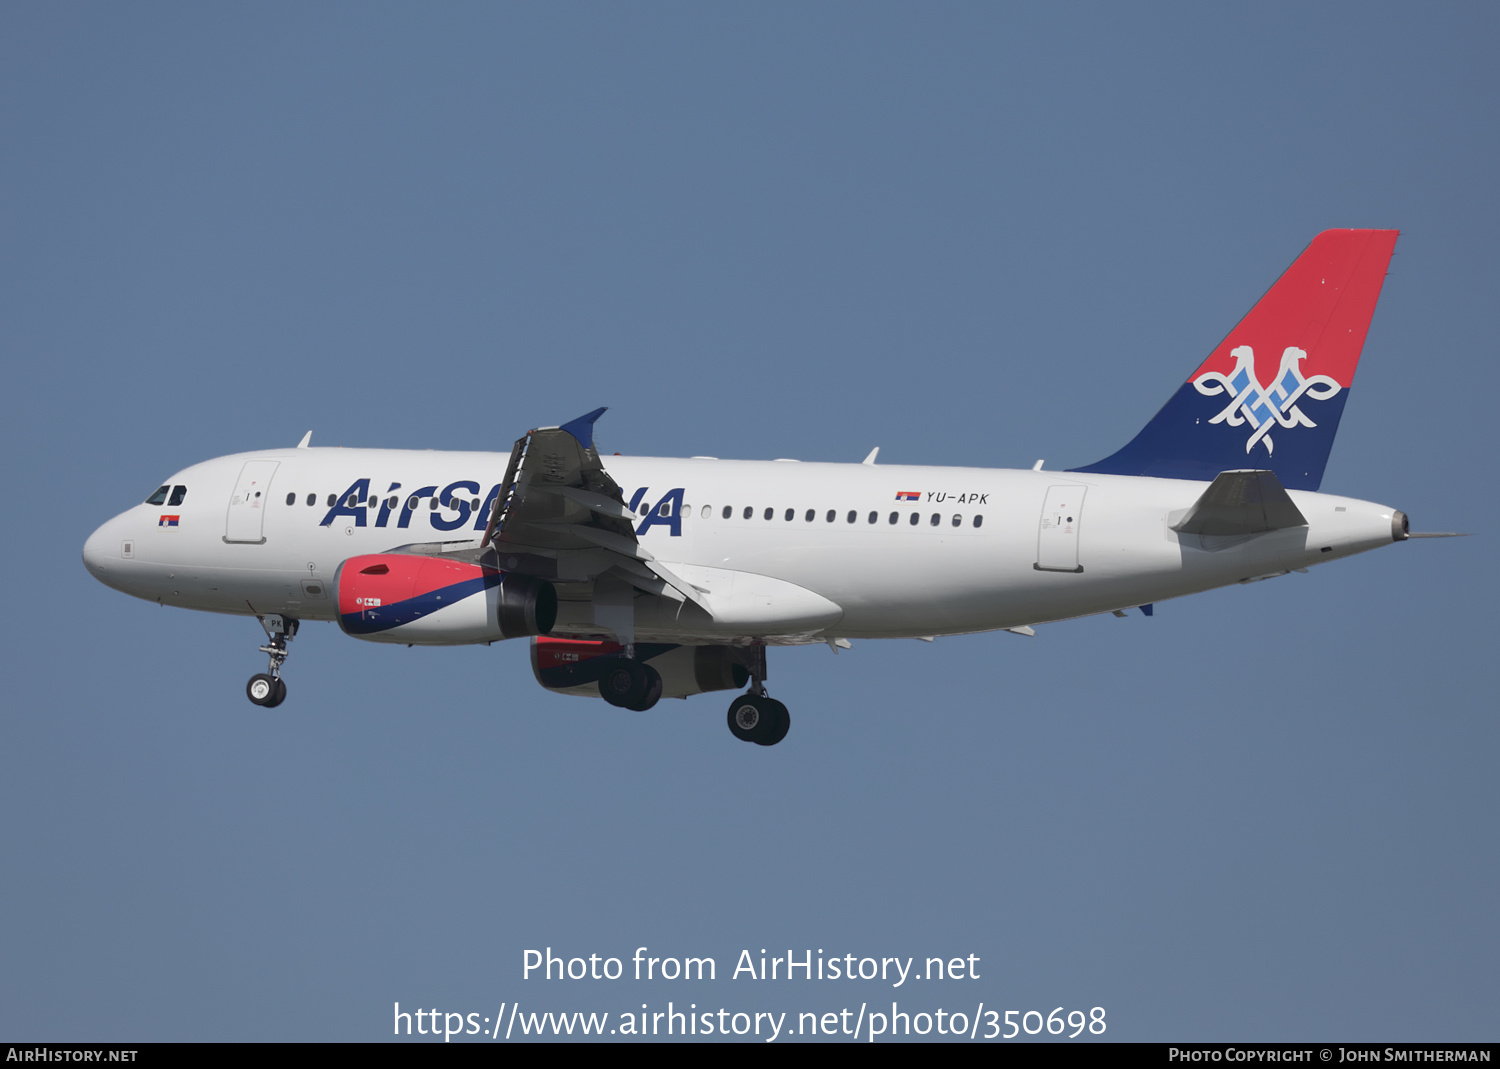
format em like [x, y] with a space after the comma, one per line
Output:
[385, 617]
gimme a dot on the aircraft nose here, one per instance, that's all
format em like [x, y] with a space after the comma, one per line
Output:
[105, 548]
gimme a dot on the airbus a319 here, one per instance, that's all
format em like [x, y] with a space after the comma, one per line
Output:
[639, 578]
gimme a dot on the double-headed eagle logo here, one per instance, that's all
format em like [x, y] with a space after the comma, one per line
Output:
[1265, 407]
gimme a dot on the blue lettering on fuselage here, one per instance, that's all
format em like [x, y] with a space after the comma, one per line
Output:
[411, 503]
[355, 503]
[670, 504]
[350, 503]
[386, 506]
[449, 500]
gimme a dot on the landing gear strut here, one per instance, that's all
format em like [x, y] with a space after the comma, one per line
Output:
[267, 688]
[755, 716]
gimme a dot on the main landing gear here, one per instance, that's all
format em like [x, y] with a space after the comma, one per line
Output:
[755, 716]
[630, 684]
[267, 688]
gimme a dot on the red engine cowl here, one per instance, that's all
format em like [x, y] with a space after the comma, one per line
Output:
[570, 666]
[431, 601]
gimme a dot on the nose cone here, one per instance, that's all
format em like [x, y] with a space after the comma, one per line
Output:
[102, 553]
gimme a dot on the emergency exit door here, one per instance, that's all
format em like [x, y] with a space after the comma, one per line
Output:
[1057, 537]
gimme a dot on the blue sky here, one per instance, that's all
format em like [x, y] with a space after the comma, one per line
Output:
[969, 234]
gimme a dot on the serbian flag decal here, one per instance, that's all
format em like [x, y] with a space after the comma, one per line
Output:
[167, 521]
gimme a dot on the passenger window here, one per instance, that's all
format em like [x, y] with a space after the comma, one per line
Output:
[160, 497]
[728, 511]
[852, 516]
[831, 515]
[412, 503]
[705, 512]
[433, 503]
[936, 519]
[811, 515]
[179, 494]
[473, 504]
[332, 500]
[664, 509]
[291, 499]
[958, 521]
[790, 513]
[895, 516]
[749, 512]
[351, 502]
[312, 499]
[915, 518]
[770, 513]
[874, 516]
[978, 521]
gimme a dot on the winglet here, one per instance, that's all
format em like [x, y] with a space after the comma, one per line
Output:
[582, 428]
[306, 440]
[871, 458]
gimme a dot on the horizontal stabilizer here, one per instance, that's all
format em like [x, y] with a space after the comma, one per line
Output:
[1241, 503]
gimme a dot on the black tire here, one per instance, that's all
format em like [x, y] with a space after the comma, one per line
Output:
[625, 684]
[778, 723]
[262, 690]
[653, 690]
[280, 695]
[747, 717]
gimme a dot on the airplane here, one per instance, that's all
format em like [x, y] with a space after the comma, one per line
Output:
[639, 578]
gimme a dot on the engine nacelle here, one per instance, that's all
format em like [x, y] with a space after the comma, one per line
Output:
[570, 666]
[430, 601]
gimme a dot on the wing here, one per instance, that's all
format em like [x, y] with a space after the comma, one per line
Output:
[561, 517]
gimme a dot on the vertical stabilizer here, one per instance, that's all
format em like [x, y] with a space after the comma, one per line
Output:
[1271, 393]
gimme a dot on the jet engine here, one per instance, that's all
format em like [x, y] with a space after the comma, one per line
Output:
[432, 601]
[569, 666]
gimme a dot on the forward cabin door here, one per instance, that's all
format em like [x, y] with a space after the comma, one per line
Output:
[247, 505]
[1057, 538]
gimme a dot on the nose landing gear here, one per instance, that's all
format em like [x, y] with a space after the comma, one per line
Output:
[267, 688]
[755, 716]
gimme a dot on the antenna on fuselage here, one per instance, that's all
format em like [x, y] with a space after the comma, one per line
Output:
[306, 438]
[871, 458]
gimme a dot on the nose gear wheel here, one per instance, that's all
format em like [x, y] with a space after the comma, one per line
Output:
[267, 689]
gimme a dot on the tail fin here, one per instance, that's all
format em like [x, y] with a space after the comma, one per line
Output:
[1271, 394]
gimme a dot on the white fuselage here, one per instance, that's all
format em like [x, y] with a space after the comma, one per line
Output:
[1040, 553]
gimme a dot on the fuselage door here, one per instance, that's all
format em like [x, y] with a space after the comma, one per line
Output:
[1057, 538]
[247, 505]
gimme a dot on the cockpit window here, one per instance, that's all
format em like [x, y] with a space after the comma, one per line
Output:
[160, 497]
[179, 494]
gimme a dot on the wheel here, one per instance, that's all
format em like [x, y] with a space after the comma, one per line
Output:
[744, 717]
[778, 723]
[279, 696]
[653, 690]
[262, 689]
[758, 719]
[630, 685]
